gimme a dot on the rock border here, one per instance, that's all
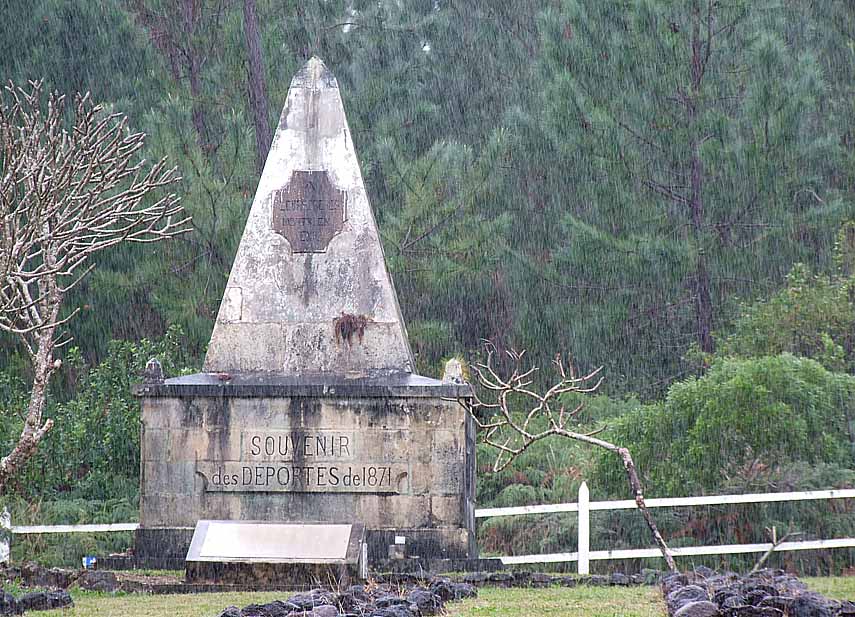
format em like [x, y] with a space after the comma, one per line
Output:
[33, 601]
[766, 593]
[370, 600]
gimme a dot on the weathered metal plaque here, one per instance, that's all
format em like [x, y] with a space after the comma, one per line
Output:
[309, 211]
[270, 542]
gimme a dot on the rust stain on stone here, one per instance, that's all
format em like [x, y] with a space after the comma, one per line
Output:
[348, 325]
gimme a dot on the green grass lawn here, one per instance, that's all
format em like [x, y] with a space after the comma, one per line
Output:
[87, 604]
[581, 601]
[491, 602]
[836, 587]
[575, 602]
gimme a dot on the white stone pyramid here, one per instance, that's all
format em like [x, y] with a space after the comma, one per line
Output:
[309, 293]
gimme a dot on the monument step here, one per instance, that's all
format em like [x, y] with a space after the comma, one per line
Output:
[271, 553]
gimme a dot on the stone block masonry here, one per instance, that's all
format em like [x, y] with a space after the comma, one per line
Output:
[308, 410]
[284, 452]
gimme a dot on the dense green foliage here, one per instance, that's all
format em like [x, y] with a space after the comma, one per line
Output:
[813, 316]
[552, 176]
[741, 426]
[654, 186]
[94, 450]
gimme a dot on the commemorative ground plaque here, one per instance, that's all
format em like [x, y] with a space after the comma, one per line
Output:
[308, 410]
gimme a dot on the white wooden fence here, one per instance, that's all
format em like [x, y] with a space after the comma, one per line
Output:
[583, 555]
[7, 530]
[584, 506]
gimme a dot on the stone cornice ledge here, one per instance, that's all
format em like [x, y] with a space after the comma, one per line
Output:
[264, 385]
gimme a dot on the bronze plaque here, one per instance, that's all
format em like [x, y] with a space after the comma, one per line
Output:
[309, 211]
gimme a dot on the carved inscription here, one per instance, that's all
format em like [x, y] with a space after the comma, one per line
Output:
[236, 476]
[302, 461]
[309, 211]
[297, 445]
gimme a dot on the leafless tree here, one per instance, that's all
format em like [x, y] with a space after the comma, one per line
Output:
[512, 415]
[71, 184]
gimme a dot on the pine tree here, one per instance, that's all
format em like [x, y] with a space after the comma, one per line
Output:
[694, 164]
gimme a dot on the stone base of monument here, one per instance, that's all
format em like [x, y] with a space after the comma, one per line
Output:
[160, 548]
[395, 453]
[268, 553]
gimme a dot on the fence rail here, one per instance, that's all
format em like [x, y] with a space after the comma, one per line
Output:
[584, 506]
[107, 527]
[7, 530]
[583, 555]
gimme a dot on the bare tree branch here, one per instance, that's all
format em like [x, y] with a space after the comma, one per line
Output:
[776, 542]
[512, 415]
[68, 189]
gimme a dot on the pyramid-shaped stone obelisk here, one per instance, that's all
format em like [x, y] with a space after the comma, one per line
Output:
[309, 292]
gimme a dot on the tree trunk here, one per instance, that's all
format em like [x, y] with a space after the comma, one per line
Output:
[257, 84]
[34, 431]
[635, 485]
[703, 305]
[191, 16]
[703, 298]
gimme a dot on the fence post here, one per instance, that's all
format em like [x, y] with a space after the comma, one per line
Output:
[584, 529]
[5, 537]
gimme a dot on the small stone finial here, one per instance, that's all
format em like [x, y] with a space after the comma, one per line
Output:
[455, 371]
[153, 372]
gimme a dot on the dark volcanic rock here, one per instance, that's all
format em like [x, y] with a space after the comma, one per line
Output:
[782, 603]
[278, 608]
[45, 600]
[538, 579]
[352, 599]
[704, 572]
[672, 581]
[476, 578]
[767, 593]
[731, 602]
[753, 611]
[34, 575]
[703, 608]
[9, 605]
[389, 600]
[98, 580]
[812, 605]
[255, 610]
[449, 590]
[463, 590]
[393, 611]
[684, 595]
[309, 600]
[727, 595]
[356, 601]
[394, 602]
[323, 611]
[427, 602]
[501, 578]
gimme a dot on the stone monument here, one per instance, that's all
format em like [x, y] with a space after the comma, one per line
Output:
[308, 410]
